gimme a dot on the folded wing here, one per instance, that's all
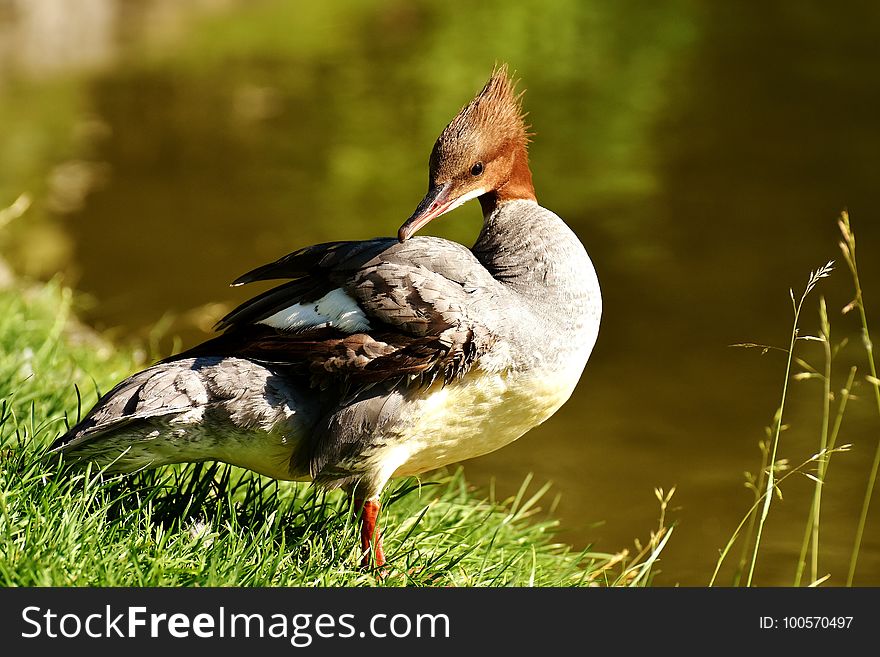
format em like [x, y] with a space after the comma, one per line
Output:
[361, 313]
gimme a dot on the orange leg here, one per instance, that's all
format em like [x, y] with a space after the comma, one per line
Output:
[371, 535]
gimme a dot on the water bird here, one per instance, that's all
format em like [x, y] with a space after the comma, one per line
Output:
[385, 357]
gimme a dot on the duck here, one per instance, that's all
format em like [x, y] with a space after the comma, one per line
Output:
[380, 358]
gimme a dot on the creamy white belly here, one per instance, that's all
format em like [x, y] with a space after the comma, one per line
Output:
[475, 416]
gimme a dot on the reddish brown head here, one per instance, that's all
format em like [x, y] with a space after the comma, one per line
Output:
[481, 153]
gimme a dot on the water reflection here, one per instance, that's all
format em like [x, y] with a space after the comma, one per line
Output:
[701, 155]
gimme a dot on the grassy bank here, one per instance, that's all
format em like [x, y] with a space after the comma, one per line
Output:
[216, 525]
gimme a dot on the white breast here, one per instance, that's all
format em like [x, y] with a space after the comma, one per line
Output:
[482, 413]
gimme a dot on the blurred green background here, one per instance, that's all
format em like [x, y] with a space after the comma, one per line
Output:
[702, 151]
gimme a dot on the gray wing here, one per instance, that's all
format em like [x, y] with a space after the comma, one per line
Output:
[412, 286]
[186, 410]
[158, 394]
[366, 312]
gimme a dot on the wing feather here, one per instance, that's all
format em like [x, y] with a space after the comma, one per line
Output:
[418, 297]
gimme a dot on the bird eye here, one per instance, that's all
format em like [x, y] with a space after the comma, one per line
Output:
[477, 169]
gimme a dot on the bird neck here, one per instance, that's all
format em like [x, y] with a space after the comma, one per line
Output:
[517, 186]
[551, 283]
[529, 248]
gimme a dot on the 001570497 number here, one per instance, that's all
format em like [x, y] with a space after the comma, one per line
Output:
[816, 622]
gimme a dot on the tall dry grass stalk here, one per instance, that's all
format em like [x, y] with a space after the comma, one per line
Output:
[848, 247]
[815, 277]
[799, 469]
[767, 482]
[811, 531]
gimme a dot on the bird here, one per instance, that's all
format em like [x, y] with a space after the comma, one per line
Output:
[385, 357]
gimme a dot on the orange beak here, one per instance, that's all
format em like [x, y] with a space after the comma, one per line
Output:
[436, 202]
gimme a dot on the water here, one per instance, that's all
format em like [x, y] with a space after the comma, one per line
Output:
[702, 153]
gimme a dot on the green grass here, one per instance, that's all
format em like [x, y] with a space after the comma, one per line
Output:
[214, 525]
